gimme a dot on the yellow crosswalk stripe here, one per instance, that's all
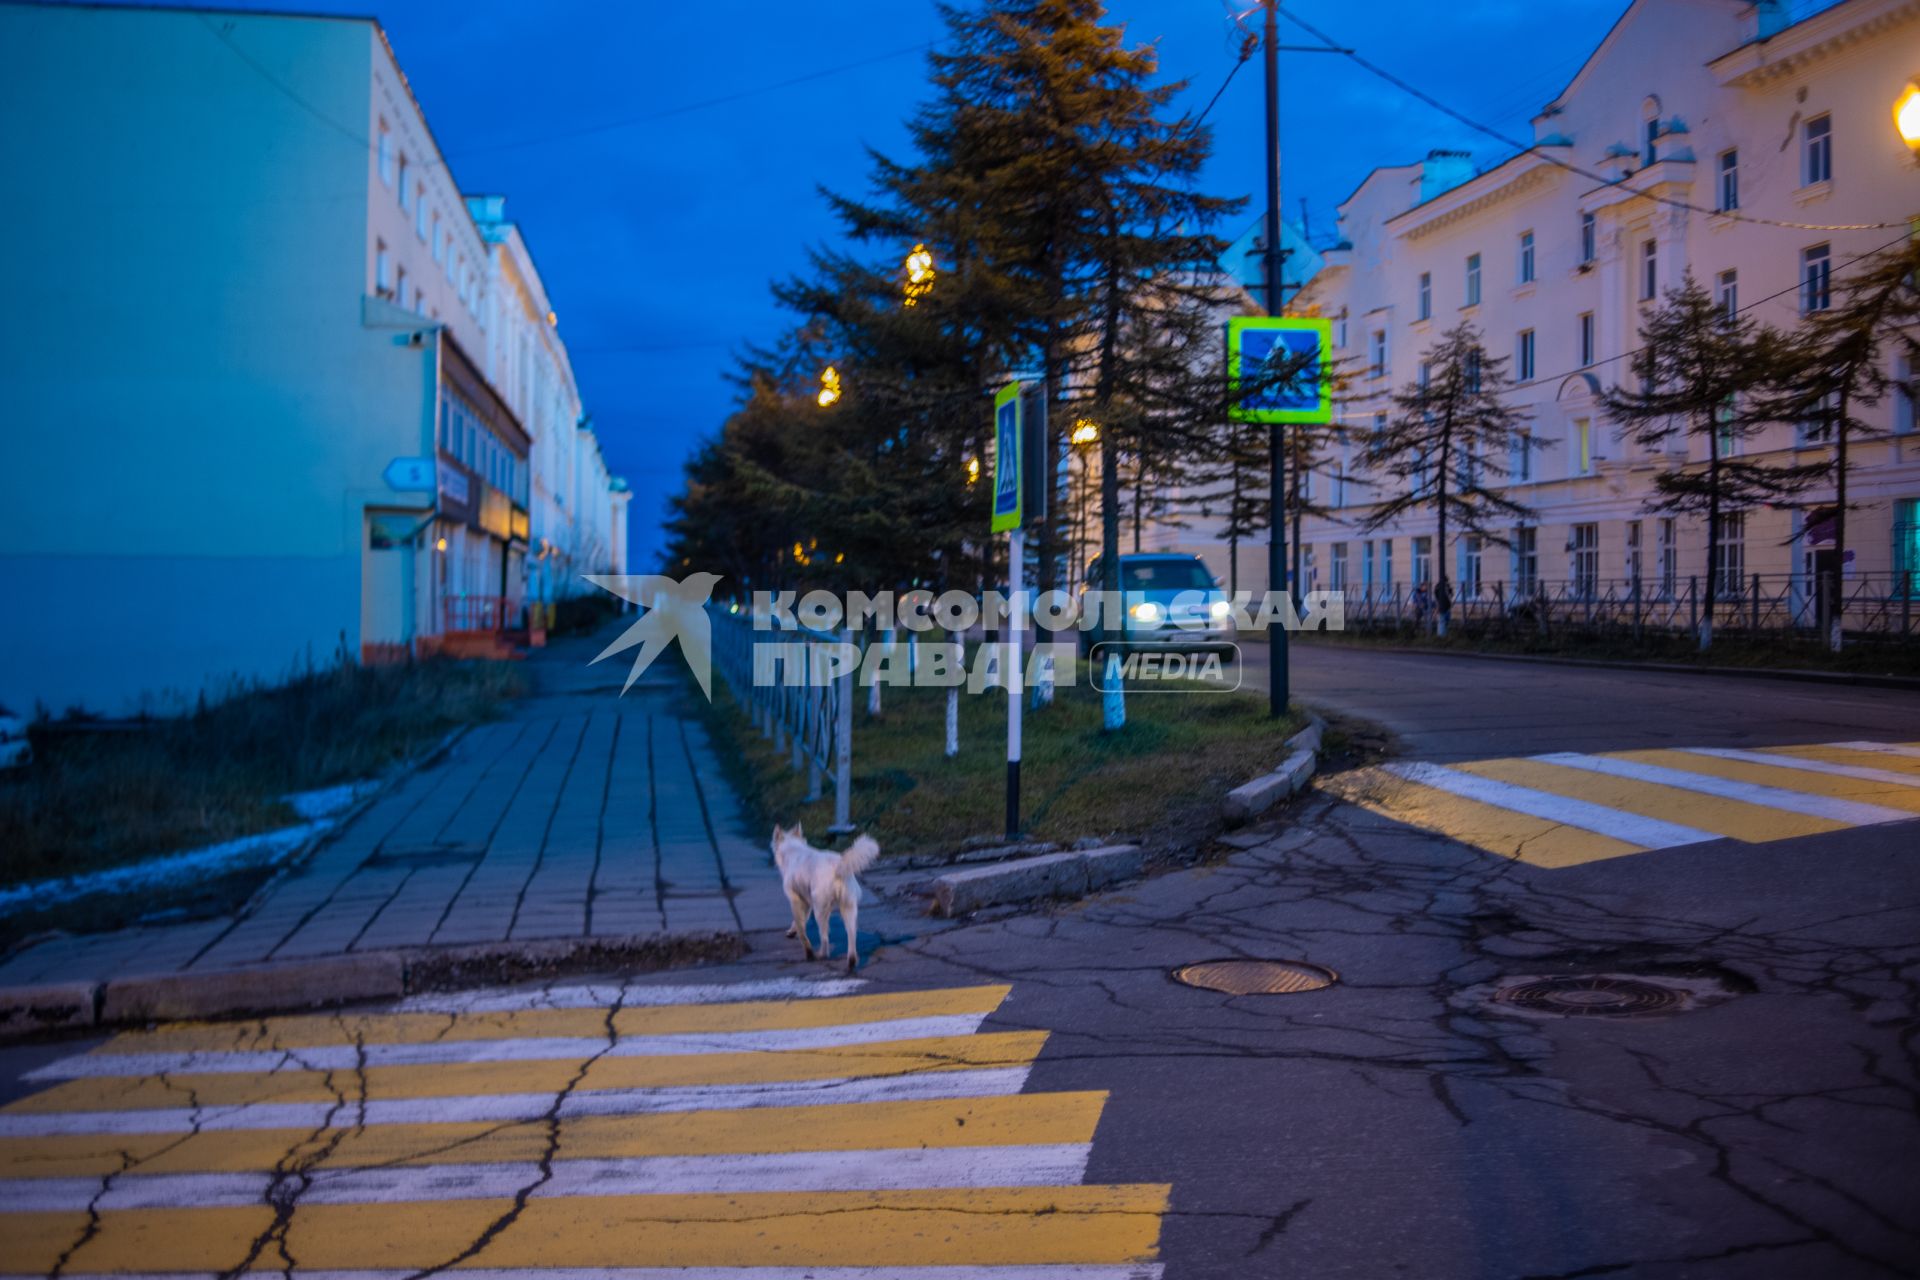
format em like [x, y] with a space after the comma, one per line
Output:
[319, 1030]
[225, 1089]
[1564, 809]
[1786, 778]
[960, 1228]
[1540, 841]
[1047, 1118]
[535, 1142]
[1671, 804]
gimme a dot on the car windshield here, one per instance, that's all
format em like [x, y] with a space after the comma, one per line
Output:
[1165, 575]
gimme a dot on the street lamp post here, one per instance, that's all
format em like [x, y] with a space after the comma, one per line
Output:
[1086, 434]
[1277, 690]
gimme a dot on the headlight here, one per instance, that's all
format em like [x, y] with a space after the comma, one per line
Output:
[1145, 611]
[1220, 609]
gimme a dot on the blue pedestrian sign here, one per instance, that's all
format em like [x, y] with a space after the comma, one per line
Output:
[1254, 343]
[1007, 457]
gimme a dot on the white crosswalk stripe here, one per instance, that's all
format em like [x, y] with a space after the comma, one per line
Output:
[1630, 827]
[1805, 765]
[1852, 812]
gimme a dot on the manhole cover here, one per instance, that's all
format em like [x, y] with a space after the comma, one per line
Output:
[1594, 996]
[1256, 977]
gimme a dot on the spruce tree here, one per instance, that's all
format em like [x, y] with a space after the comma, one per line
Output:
[1838, 368]
[1446, 447]
[1707, 375]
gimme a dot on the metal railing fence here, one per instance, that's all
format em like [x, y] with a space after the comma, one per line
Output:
[803, 708]
[1879, 607]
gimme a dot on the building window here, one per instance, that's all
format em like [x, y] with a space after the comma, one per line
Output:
[1589, 239]
[1668, 549]
[1520, 458]
[1523, 356]
[1730, 557]
[1526, 257]
[1337, 567]
[1424, 376]
[1471, 367]
[1526, 561]
[1582, 458]
[1728, 293]
[1426, 295]
[382, 269]
[1422, 560]
[404, 187]
[1906, 545]
[1341, 340]
[1586, 339]
[1473, 279]
[1653, 140]
[420, 212]
[386, 154]
[1366, 568]
[1649, 270]
[1470, 558]
[1378, 359]
[1816, 278]
[1386, 561]
[1729, 181]
[1903, 415]
[1817, 151]
[1633, 551]
[1583, 551]
[400, 285]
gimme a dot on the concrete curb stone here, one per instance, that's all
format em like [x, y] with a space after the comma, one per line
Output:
[290, 985]
[1251, 799]
[60, 1006]
[1053, 875]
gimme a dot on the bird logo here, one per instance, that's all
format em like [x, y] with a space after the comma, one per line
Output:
[672, 610]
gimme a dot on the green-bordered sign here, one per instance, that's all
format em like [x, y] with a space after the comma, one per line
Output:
[1007, 457]
[1254, 343]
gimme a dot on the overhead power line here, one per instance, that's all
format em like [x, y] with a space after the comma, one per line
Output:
[1489, 131]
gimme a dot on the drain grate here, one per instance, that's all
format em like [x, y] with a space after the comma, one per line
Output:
[1256, 977]
[1593, 996]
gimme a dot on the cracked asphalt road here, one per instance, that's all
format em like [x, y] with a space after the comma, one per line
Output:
[1388, 1126]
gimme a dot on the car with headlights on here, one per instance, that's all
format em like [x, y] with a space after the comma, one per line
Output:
[1171, 601]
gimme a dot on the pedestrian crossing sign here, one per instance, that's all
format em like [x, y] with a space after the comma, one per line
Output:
[1007, 440]
[1259, 350]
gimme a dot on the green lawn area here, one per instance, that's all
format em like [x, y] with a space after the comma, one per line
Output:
[97, 798]
[1163, 775]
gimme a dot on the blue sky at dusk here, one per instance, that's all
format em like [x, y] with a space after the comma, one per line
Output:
[657, 222]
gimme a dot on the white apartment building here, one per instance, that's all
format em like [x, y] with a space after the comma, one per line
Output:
[258, 371]
[1717, 127]
[1721, 105]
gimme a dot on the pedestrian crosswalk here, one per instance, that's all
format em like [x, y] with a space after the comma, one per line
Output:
[1566, 808]
[767, 1131]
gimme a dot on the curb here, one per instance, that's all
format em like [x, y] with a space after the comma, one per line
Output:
[1051, 875]
[292, 985]
[1855, 678]
[1251, 799]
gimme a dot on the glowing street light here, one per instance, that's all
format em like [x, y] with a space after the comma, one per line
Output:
[829, 386]
[973, 470]
[1906, 115]
[1086, 431]
[919, 274]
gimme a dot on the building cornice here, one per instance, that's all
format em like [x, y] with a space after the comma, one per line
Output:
[1789, 52]
[1519, 174]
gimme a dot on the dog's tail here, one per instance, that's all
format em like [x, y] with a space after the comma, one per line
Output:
[858, 857]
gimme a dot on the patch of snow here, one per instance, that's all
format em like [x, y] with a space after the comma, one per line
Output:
[267, 848]
[327, 801]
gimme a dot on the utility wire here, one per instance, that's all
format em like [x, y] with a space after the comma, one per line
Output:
[1604, 180]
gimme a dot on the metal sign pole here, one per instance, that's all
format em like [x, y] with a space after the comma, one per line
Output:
[1016, 638]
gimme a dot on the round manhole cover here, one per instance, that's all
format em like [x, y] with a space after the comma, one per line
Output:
[1593, 996]
[1256, 977]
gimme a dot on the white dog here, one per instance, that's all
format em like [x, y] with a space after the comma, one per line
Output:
[820, 882]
